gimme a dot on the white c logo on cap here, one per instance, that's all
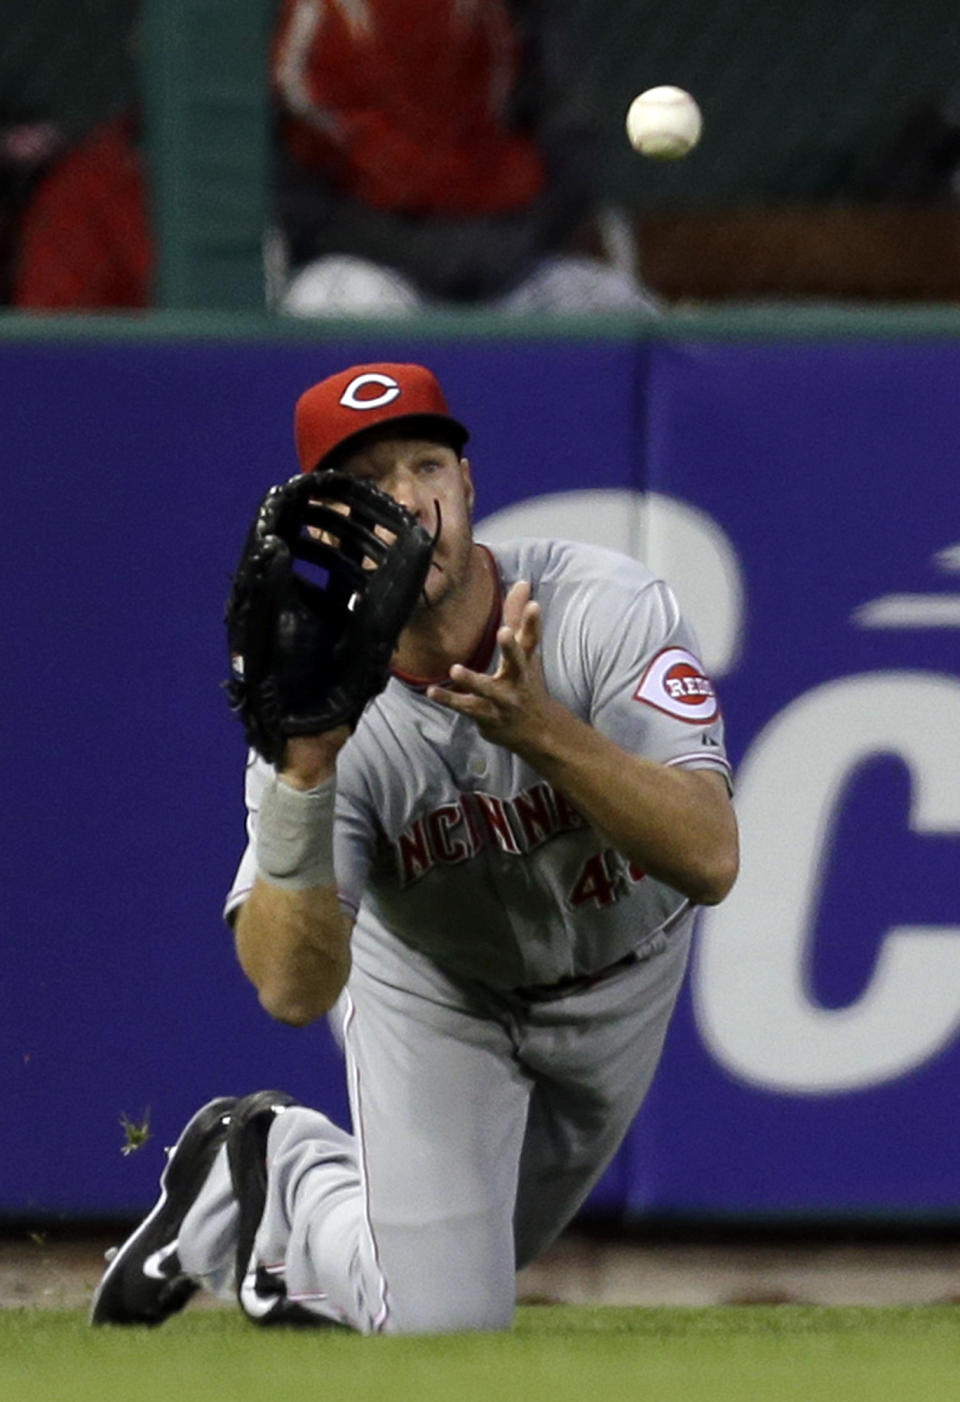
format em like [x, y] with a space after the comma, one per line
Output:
[391, 391]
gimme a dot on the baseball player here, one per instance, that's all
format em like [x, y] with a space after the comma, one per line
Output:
[478, 836]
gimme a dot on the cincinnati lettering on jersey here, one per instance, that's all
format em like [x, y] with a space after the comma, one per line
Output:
[454, 832]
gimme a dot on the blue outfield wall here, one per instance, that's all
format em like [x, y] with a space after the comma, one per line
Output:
[803, 494]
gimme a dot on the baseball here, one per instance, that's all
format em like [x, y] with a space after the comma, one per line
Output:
[664, 123]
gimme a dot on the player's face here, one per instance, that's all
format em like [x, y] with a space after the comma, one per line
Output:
[434, 484]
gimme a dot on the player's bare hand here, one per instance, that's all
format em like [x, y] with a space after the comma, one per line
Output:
[510, 707]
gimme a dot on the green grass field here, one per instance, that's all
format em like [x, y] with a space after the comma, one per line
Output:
[555, 1354]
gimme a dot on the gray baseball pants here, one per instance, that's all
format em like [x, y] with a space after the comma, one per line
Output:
[481, 1122]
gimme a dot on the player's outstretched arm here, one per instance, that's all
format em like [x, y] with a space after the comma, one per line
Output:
[294, 946]
[292, 938]
[330, 571]
[676, 824]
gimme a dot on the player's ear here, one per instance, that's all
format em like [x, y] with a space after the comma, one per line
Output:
[469, 490]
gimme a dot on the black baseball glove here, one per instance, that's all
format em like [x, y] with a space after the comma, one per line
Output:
[330, 573]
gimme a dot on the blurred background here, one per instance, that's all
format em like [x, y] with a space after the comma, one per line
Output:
[828, 169]
[741, 366]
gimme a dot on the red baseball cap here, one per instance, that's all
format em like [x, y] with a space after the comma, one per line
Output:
[345, 407]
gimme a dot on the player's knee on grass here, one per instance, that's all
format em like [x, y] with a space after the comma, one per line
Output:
[453, 1314]
[445, 1277]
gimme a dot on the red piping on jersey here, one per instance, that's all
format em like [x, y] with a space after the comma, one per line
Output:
[480, 658]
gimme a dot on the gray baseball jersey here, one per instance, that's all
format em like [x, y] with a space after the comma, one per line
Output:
[460, 849]
[490, 1083]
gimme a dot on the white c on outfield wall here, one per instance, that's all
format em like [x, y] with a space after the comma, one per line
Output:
[683, 545]
[750, 987]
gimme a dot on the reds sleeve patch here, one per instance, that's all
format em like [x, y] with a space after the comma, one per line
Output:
[674, 682]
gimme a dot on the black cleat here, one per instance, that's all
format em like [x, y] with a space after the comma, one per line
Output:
[261, 1295]
[144, 1284]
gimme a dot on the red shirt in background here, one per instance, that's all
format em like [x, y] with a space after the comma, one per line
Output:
[84, 242]
[404, 104]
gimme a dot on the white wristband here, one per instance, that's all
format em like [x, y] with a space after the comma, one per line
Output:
[295, 835]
